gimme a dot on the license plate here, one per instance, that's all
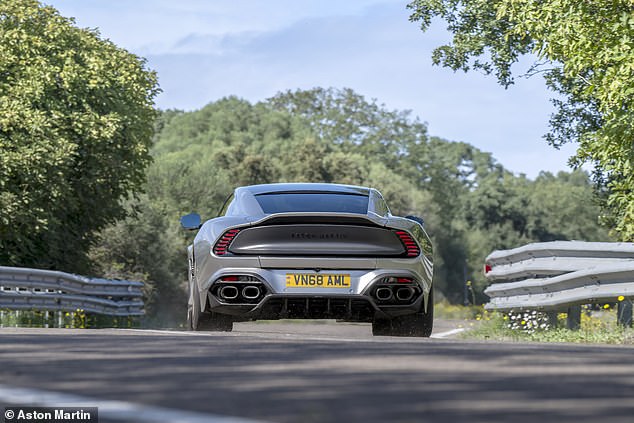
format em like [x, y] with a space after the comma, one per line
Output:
[317, 280]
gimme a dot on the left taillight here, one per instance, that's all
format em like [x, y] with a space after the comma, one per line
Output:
[222, 246]
[411, 247]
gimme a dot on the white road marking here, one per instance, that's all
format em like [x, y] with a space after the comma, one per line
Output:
[108, 409]
[448, 333]
[163, 332]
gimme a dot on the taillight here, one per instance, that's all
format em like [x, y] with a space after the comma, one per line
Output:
[409, 243]
[222, 246]
[487, 268]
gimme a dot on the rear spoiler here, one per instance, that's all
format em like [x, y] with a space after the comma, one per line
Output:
[322, 218]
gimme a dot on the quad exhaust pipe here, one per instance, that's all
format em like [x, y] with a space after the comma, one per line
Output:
[394, 294]
[232, 293]
[251, 292]
[228, 292]
[384, 294]
[404, 294]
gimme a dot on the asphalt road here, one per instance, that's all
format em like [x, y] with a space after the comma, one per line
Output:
[292, 372]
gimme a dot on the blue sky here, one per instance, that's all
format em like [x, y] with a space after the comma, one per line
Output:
[205, 50]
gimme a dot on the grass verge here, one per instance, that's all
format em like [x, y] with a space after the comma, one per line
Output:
[597, 327]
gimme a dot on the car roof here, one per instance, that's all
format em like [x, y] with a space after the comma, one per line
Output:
[306, 187]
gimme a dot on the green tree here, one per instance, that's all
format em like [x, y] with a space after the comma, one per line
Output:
[146, 247]
[76, 120]
[504, 211]
[346, 119]
[584, 50]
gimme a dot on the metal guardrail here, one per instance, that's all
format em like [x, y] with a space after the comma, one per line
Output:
[48, 290]
[560, 276]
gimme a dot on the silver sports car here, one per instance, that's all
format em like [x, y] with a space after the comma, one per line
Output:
[310, 251]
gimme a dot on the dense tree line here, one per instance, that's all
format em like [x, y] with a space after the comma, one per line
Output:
[471, 204]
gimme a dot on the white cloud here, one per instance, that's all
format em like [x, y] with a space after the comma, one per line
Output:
[154, 26]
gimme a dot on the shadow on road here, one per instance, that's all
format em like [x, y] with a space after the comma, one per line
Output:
[293, 380]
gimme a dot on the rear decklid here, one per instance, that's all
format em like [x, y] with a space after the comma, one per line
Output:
[315, 234]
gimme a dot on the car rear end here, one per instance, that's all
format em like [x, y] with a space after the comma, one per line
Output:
[345, 262]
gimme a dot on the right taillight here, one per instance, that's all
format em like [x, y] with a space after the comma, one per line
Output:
[222, 246]
[408, 242]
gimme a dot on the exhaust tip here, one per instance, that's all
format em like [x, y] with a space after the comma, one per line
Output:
[251, 292]
[404, 294]
[228, 292]
[383, 294]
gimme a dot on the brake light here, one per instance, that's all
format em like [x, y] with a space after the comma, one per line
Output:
[404, 280]
[410, 245]
[487, 268]
[222, 246]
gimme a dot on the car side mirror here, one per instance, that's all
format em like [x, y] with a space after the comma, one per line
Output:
[191, 221]
[416, 219]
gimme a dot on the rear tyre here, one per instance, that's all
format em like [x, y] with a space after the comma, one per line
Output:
[382, 327]
[192, 321]
[419, 324]
[198, 320]
[215, 322]
[414, 325]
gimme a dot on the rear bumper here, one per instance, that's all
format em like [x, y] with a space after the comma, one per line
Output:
[358, 302]
[352, 308]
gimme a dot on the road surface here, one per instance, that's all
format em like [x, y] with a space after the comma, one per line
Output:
[313, 372]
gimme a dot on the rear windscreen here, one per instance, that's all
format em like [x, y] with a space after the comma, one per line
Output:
[313, 202]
